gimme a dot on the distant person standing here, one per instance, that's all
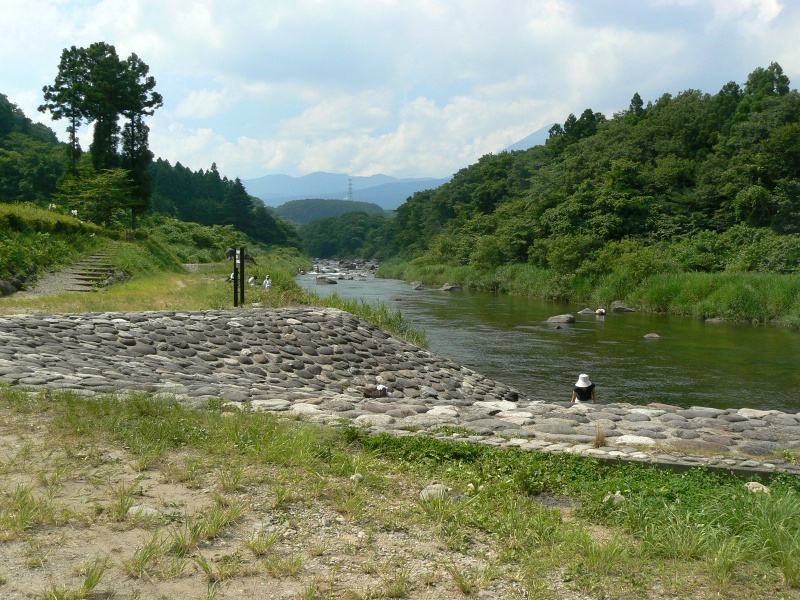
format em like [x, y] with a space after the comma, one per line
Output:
[267, 282]
[584, 390]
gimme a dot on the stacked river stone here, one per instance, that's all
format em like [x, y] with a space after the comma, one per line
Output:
[320, 362]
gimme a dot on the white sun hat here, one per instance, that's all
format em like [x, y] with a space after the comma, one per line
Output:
[583, 381]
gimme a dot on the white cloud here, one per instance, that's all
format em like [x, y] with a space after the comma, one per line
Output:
[407, 88]
[203, 104]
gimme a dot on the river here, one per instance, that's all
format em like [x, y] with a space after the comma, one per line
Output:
[508, 338]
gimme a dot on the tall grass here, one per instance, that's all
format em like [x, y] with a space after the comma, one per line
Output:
[379, 315]
[736, 296]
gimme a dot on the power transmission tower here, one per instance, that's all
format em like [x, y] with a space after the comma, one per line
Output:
[350, 189]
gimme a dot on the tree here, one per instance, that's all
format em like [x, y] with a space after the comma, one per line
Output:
[104, 102]
[65, 98]
[140, 100]
[636, 108]
[237, 206]
[98, 197]
[94, 85]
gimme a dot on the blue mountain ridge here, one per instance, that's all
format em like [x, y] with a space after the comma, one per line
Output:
[384, 190]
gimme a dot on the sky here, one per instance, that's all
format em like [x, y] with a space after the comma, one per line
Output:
[407, 88]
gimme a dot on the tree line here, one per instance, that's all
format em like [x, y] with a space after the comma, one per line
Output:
[208, 198]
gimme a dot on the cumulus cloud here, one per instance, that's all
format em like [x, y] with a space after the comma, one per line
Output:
[407, 88]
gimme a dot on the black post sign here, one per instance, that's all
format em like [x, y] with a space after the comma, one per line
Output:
[238, 276]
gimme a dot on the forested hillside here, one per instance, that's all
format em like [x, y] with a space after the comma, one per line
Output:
[31, 159]
[306, 211]
[708, 182]
[693, 182]
[352, 235]
[207, 198]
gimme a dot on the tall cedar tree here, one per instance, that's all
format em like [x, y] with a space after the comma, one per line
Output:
[94, 85]
[65, 98]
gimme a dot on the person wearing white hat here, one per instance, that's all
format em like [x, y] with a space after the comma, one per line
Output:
[584, 390]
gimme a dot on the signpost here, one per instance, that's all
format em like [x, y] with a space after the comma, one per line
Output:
[238, 276]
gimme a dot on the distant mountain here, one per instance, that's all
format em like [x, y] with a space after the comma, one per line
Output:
[537, 138]
[385, 191]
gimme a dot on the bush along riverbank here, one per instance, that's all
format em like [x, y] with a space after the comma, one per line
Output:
[752, 297]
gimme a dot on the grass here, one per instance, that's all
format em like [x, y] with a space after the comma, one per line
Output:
[206, 290]
[278, 524]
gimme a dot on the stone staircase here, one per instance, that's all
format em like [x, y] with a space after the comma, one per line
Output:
[89, 274]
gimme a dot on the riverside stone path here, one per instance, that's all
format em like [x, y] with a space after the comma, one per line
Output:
[317, 362]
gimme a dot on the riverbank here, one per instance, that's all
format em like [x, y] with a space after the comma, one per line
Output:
[318, 363]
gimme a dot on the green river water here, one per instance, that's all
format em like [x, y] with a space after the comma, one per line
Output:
[508, 338]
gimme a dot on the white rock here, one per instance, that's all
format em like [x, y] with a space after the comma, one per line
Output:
[305, 409]
[376, 419]
[755, 487]
[634, 440]
[270, 405]
[435, 491]
[752, 413]
[442, 411]
[140, 511]
[511, 414]
[616, 498]
[498, 404]
[650, 412]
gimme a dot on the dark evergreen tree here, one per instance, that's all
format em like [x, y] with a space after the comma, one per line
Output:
[65, 99]
[237, 206]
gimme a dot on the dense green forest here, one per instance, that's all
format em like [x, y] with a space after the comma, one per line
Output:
[303, 212]
[692, 182]
[352, 235]
[207, 198]
[31, 158]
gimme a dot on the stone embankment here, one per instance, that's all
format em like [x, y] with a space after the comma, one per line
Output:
[318, 363]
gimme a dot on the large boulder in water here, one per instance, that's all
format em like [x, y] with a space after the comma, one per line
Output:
[619, 307]
[568, 318]
[451, 287]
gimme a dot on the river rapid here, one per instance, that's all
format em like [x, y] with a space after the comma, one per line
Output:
[508, 338]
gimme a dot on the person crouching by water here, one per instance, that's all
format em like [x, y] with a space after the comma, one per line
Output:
[584, 390]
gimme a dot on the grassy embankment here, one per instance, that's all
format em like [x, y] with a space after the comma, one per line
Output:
[743, 296]
[519, 524]
[33, 240]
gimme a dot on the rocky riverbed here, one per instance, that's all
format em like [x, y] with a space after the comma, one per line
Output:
[320, 363]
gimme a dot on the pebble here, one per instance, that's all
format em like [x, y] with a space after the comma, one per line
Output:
[317, 362]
